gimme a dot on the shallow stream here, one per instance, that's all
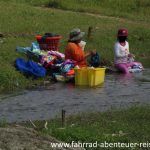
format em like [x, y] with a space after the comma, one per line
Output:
[118, 91]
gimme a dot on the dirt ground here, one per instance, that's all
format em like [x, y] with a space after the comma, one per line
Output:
[21, 138]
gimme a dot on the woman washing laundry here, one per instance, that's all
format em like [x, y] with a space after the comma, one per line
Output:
[124, 60]
[74, 50]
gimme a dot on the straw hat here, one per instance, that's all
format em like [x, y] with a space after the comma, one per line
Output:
[76, 34]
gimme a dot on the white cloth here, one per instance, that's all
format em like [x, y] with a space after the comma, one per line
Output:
[82, 44]
[121, 52]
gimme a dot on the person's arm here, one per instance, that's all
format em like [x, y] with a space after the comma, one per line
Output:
[89, 53]
[131, 55]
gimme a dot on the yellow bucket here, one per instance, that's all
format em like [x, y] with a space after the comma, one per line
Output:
[81, 76]
[89, 76]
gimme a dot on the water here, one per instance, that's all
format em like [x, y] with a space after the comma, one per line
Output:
[119, 91]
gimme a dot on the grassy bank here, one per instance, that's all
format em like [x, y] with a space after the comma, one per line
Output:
[132, 9]
[21, 21]
[125, 126]
[124, 8]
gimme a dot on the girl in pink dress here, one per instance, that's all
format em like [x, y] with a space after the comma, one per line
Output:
[124, 61]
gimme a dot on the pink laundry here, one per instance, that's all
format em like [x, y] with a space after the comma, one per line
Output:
[124, 67]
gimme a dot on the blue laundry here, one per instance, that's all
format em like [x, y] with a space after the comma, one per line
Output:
[95, 60]
[34, 49]
[23, 49]
[30, 68]
[66, 68]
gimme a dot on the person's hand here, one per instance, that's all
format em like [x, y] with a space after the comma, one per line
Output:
[131, 55]
[90, 53]
[93, 52]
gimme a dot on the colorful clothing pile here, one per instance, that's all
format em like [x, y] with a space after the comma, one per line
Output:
[53, 61]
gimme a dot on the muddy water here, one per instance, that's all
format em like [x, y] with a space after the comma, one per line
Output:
[45, 103]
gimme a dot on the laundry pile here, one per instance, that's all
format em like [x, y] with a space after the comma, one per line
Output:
[45, 59]
[44, 62]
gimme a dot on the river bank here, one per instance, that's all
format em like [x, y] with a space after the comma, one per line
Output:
[16, 137]
[124, 126]
[118, 126]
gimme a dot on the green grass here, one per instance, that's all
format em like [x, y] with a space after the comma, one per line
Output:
[132, 9]
[119, 8]
[126, 126]
[19, 17]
